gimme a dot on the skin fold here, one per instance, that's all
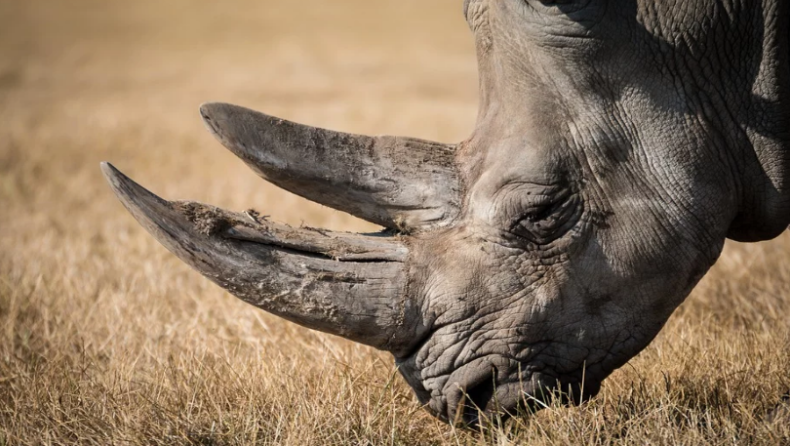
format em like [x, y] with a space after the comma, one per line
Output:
[618, 144]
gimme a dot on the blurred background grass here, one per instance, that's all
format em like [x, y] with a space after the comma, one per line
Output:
[107, 338]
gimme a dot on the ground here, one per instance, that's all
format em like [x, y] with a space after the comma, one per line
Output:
[106, 338]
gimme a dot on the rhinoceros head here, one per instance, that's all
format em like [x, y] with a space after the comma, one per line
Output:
[618, 144]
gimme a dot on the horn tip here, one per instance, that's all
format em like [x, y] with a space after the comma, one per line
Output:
[113, 175]
[135, 197]
[216, 110]
[118, 181]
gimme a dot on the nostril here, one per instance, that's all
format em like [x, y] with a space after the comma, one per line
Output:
[478, 399]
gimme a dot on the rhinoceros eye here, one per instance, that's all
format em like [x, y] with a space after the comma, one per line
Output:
[546, 221]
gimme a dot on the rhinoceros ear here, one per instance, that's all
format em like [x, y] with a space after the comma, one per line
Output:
[399, 183]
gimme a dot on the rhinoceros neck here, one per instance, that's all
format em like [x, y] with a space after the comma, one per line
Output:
[765, 208]
[732, 60]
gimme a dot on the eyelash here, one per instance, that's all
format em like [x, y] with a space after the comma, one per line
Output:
[546, 223]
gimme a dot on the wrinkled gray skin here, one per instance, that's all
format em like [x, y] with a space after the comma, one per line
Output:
[618, 144]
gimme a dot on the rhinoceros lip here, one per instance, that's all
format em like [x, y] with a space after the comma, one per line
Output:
[491, 402]
[473, 396]
[486, 401]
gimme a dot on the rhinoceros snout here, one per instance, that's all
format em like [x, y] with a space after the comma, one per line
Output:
[491, 389]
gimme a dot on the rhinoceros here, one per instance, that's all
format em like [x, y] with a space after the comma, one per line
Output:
[618, 144]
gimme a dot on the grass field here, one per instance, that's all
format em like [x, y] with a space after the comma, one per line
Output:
[106, 338]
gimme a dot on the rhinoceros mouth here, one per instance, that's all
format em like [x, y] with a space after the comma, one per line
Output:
[493, 388]
[489, 401]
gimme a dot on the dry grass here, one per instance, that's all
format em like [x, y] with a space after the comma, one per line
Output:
[105, 338]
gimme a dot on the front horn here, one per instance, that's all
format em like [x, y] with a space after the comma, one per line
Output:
[345, 284]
